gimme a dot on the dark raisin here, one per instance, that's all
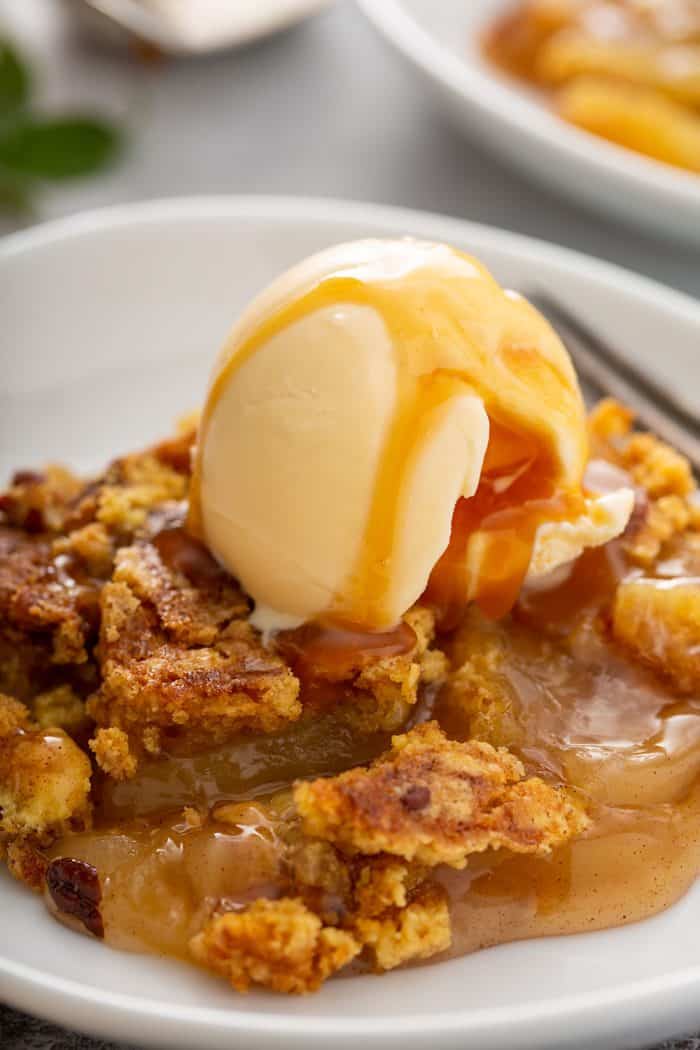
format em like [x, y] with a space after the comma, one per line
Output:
[416, 797]
[34, 520]
[75, 889]
[27, 477]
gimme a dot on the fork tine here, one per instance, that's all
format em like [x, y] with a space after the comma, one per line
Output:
[596, 362]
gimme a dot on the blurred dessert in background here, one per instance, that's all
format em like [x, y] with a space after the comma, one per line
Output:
[626, 70]
[181, 27]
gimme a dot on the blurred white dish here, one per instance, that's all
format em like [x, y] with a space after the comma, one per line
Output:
[110, 323]
[440, 39]
[184, 27]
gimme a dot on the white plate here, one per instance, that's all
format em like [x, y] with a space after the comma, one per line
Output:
[110, 322]
[440, 41]
[181, 27]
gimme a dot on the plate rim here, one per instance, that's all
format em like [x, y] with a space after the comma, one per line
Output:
[495, 98]
[650, 999]
[412, 1028]
[291, 208]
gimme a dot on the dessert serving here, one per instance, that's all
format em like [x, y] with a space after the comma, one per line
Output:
[627, 70]
[389, 655]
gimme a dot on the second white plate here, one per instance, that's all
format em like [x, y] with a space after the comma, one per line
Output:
[440, 40]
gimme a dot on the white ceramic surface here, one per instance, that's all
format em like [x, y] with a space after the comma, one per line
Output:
[181, 27]
[110, 322]
[440, 40]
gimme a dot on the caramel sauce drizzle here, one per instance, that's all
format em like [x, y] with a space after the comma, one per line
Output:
[428, 324]
[509, 517]
[332, 651]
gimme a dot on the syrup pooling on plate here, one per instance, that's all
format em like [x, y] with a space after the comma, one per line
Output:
[254, 767]
[191, 834]
[335, 650]
[573, 704]
[561, 694]
[161, 878]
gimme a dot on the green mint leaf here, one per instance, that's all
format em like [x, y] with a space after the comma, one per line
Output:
[57, 148]
[14, 80]
[15, 196]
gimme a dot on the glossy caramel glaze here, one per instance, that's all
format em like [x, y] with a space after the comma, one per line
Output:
[576, 708]
[187, 834]
[160, 879]
[336, 652]
[561, 695]
[453, 331]
[509, 515]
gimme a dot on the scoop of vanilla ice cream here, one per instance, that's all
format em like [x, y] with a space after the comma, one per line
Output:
[350, 410]
[291, 460]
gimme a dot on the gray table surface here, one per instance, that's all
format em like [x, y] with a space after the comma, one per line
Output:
[321, 110]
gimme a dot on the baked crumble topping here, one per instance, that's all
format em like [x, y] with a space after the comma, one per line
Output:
[279, 944]
[44, 777]
[177, 656]
[436, 800]
[145, 719]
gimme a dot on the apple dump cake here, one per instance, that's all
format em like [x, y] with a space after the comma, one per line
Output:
[627, 70]
[389, 656]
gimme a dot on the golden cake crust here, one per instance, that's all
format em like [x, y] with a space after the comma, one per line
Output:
[154, 683]
[417, 930]
[44, 777]
[42, 600]
[278, 944]
[436, 801]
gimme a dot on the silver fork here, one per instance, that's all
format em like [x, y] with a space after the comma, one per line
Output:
[609, 373]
